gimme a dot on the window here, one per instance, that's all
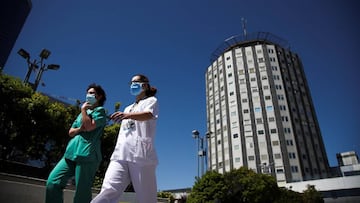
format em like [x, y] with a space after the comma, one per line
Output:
[260, 132]
[289, 142]
[267, 97]
[235, 135]
[275, 143]
[246, 110]
[292, 155]
[269, 108]
[237, 159]
[259, 121]
[273, 130]
[251, 158]
[287, 130]
[294, 169]
[280, 170]
[257, 109]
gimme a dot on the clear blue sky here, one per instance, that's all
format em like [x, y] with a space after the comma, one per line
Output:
[171, 42]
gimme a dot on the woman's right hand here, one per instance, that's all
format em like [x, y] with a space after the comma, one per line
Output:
[117, 116]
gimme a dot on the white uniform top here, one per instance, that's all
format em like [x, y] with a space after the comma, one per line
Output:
[136, 139]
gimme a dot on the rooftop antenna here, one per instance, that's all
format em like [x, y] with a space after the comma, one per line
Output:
[243, 21]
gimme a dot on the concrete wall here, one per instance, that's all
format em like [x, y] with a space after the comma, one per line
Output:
[18, 189]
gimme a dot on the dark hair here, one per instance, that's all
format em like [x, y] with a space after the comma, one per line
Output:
[100, 91]
[150, 91]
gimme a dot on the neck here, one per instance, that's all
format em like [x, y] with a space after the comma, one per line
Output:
[140, 97]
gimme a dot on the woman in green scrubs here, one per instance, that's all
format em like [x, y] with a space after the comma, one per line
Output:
[83, 152]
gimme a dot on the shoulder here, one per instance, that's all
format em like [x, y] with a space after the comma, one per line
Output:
[150, 100]
[99, 109]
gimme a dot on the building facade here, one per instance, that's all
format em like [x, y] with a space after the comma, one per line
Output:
[13, 14]
[260, 111]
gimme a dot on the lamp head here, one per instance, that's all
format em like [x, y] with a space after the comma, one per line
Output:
[45, 54]
[53, 66]
[24, 54]
[195, 133]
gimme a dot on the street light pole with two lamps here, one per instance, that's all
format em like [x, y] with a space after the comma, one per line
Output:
[201, 152]
[34, 65]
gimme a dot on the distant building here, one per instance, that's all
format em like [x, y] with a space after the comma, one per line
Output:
[343, 188]
[260, 111]
[13, 14]
[348, 163]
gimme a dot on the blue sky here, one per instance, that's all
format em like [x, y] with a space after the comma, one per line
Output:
[171, 41]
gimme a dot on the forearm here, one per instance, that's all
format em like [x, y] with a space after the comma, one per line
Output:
[139, 116]
[86, 120]
[75, 131]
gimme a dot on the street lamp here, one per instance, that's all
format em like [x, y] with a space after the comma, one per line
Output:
[201, 151]
[34, 65]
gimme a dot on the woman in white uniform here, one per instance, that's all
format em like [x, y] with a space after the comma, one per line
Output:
[134, 158]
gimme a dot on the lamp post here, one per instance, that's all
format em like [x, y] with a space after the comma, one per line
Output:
[201, 151]
[34, 65]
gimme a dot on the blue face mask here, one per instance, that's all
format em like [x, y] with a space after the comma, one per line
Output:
[90, 98]
[135, 88]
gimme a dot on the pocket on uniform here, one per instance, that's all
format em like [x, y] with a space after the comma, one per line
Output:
[144, 148]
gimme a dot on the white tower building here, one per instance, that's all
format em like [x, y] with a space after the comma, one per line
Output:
[260, 111]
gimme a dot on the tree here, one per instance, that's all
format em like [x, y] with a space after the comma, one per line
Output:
[240, 185]
[247, 186]
[286, 196]
[166, 195]
[12, 91]
[32, 127]
[209, 188]
[311, 195]
[107, 147]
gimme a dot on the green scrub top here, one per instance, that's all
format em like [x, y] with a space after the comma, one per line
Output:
[86, 146]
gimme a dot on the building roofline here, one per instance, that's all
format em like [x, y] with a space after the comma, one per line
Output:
[249, 39]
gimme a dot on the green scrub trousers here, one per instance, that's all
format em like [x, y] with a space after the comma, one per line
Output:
[84, 176]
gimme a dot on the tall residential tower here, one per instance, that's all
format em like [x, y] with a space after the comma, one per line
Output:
[260, 111]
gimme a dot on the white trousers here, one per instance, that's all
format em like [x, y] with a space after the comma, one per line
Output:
[118, 176]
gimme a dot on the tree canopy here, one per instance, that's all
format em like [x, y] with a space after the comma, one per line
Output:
[34, 127]
[245, 186]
